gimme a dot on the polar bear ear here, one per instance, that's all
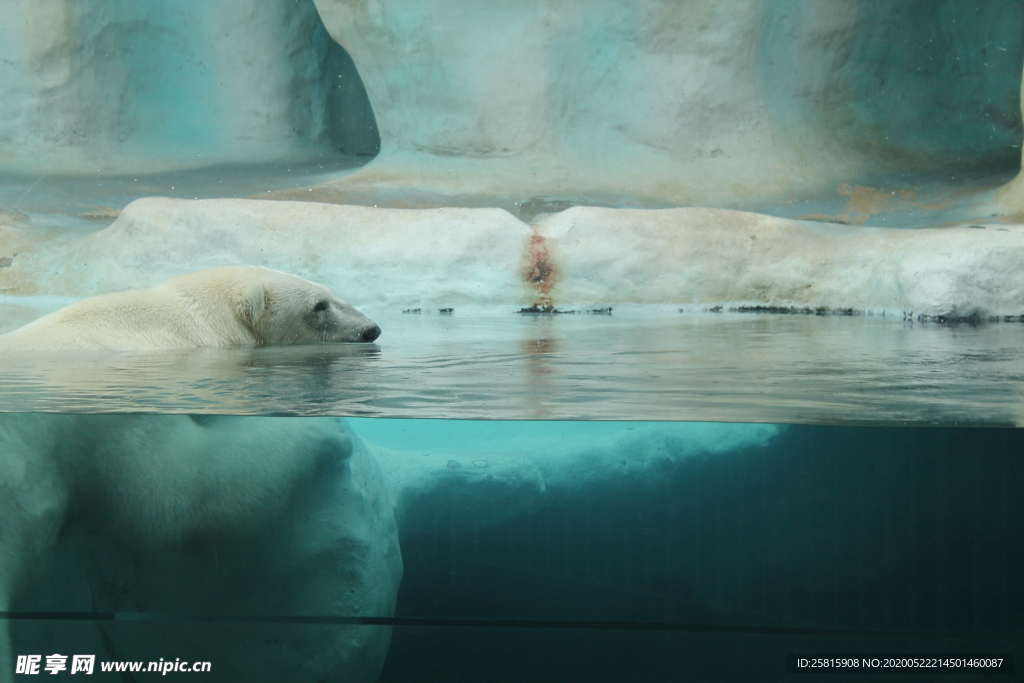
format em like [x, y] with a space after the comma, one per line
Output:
[253, 304]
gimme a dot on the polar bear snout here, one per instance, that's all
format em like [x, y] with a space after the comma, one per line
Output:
[341, 322]
[370, 332]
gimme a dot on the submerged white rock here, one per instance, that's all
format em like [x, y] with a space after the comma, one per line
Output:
[499, 470]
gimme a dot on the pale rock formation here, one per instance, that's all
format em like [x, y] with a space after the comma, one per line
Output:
[581, 256]
[667, 102]
[124, 86]
[374, 255]
[713, 256]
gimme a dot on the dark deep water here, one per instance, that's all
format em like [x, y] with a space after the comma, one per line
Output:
[824, 540]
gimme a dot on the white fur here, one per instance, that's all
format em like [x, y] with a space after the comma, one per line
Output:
[218, 307]
[225, 516]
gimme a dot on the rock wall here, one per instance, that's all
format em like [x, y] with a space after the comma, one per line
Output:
[137, 86]
[694, 102]
[659, 102]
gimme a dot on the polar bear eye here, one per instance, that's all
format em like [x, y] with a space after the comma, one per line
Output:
[321, 305]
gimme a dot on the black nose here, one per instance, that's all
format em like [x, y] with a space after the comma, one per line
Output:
[370, 333]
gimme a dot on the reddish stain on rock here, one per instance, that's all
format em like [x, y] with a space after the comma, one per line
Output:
[541, 272]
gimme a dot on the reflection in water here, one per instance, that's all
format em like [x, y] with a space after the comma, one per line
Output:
[537, 349]
[326, 370]
[236, 381]
[639, 363]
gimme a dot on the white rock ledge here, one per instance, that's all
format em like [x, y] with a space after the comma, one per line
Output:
[707, 256]
[365, 255]
[594, 256]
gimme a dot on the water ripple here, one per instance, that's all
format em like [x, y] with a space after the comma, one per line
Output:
[626, 367]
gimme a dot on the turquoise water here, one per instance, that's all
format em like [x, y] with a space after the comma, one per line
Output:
[719, 565]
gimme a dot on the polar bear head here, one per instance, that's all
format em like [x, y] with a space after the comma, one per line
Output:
[285, 309]
[279, 308]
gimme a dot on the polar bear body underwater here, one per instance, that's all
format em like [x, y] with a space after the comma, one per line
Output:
[234, 518]
[218, 307]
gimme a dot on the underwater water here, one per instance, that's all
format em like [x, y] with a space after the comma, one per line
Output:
[639, 363]
[534, 550]
[697, 560]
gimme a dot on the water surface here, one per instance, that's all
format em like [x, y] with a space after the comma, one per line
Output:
[640, 363]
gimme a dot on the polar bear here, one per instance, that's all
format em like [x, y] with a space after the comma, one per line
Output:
[218, 307]
[196, 519]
